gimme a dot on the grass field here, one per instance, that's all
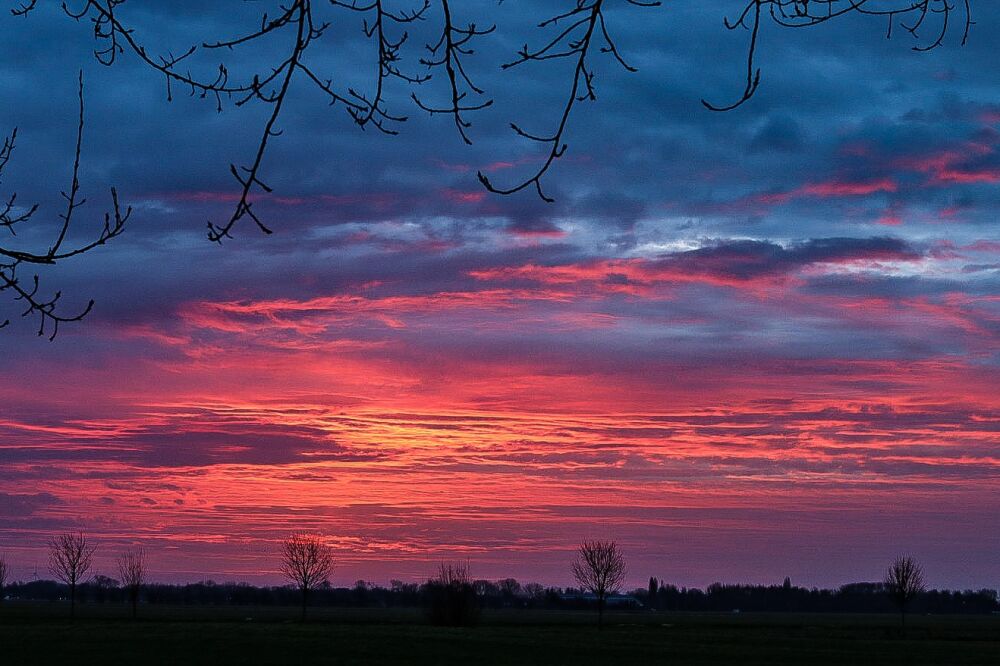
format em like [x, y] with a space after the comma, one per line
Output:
[39, 634]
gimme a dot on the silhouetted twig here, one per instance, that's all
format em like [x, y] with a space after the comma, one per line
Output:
[296, 26]
[577, 28]
[447, 52]
[808, 13]
[11, 259]
[372, 107]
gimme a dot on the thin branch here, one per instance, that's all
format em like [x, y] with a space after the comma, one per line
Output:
[810, 13]
[11, 260]
[372, 110]
[447, 52]
[572, 41]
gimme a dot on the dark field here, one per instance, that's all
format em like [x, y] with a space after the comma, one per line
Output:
[36, 634]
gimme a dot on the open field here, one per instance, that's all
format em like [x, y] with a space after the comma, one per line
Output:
[39, 634]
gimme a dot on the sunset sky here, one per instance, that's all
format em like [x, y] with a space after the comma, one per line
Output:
[745, 345]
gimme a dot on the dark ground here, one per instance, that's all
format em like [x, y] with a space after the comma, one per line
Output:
[40, 634]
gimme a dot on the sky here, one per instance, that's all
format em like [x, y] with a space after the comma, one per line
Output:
[744, 345]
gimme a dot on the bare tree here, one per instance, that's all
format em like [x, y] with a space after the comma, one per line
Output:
[14, 260]
[70, 558]
[288, 41]
[454, 574]
[132, 571]
[452, 596]
[904, 580]
[4, 572]
[103, 587]
[509, 588]
[600, 568]
[306, 562]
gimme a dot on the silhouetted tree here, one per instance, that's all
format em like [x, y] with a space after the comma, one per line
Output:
[103, 586]
[654, 588]
[70, 558]
[904, 580]
[306, 562]
[534, 591]
[4, 572]
[132, 571]
[600, 568]
[285, 49]
[509, 588]
[452, 597]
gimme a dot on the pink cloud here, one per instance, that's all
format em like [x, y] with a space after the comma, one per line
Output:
[830, 189]
[464, 197]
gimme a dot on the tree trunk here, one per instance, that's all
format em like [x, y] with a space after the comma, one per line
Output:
[600, 612]
[305, 594]
[72, 600]
[135, 602]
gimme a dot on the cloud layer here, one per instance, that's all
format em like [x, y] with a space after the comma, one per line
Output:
[747, 345]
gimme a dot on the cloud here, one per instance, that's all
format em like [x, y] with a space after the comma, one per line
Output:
[755, 325]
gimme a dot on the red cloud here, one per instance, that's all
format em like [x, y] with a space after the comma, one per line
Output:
[956, 175]
[849, 189]
[962, 165]
[830, 189]
[464, 197]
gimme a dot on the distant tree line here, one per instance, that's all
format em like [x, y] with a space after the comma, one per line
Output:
[510, 593]
[851, 598]
[454, 598]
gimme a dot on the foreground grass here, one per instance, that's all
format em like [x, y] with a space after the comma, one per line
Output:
[38, 635]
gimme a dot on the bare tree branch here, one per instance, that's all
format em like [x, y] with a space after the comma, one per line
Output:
[447, 52]
[372, 108]
[809, 13]
[573, 41]
[575, 35]
[12, 259]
